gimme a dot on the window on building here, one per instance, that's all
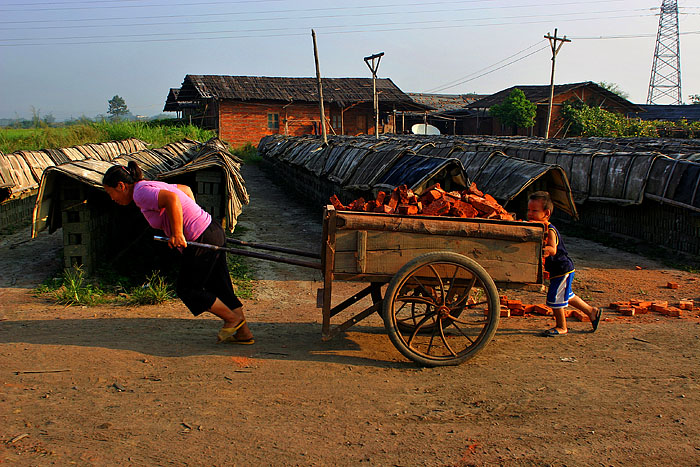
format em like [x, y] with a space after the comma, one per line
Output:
[336, 121]
[273, 121]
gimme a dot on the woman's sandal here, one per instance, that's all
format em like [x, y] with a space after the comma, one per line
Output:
[227, 335]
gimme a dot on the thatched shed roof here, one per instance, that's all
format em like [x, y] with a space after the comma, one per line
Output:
[342, 91]
[21, 171]
[157, 164]
[539, 94]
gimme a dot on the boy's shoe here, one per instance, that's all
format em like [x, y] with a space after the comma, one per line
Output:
[554, 332]
[596, 320]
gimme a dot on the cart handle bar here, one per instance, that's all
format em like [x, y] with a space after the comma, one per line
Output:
[252, 254]
[263, 246]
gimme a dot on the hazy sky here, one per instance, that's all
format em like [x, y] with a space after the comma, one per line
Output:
[69, 57]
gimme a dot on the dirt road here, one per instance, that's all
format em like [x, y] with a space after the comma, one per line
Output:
[116, 385]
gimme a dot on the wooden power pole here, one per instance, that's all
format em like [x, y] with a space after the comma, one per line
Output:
[373, 68]
[555, 50]
[320, 91]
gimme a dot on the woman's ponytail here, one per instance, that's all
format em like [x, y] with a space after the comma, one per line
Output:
[119, 173]
[135, 171]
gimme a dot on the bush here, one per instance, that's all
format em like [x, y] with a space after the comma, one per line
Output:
[584, 120]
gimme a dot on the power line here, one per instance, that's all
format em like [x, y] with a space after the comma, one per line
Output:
[385, 6]
[414, 26]
[449, 84]
[628, 36]
[495, 69]
[287, 29]
[169, 5]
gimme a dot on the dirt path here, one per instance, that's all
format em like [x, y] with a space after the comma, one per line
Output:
[148, 385]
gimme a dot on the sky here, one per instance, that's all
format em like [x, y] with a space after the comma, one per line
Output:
[67, 58]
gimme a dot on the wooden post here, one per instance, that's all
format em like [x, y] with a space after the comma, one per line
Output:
[373, 68]
[320, 91]
[555, 50]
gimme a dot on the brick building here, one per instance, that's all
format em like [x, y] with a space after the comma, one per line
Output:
[475, 120]
[243, 109]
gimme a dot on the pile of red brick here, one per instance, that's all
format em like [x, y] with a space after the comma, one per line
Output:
[518, 308]
[639, 307]
[434, 202]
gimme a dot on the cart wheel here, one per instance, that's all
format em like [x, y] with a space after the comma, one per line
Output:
[441, 309]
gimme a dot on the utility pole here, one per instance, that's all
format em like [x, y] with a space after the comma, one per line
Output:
[555, 50]
[373, 68]
[320, 91]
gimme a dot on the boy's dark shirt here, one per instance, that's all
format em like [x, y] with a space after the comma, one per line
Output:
[560, 263]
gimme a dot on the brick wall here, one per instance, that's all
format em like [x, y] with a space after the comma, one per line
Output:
[246, 122]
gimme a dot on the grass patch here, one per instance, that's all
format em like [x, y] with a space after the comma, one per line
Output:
[248, 153]
[152, 292]
[239, 270]
[72, 288]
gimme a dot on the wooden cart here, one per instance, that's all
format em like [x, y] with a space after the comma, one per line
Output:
[441, 306]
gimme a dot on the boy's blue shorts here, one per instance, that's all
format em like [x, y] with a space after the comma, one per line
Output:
[560, 292]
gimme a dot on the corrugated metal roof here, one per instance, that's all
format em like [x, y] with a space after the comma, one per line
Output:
[671, 113]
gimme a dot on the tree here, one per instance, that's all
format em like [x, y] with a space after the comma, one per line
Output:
[117, 107]
[694, 99]
[614, 88]
[515, 110]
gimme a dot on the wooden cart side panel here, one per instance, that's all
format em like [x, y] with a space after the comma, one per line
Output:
[506, 262]
[480, 228]
[384, 253]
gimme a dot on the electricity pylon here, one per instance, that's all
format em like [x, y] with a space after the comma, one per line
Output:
[666, 71]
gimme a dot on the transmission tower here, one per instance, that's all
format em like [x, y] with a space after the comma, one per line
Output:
[666, 71]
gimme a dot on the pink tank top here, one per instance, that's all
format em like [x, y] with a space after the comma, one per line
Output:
[195, 220]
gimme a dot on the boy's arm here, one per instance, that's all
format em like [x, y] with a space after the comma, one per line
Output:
[550, 243]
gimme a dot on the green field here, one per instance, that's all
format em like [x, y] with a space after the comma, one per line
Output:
[157, 133]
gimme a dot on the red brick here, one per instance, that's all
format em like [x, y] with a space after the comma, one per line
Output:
[672, 285]
[659, 307]
[686, 304]
[580, 315]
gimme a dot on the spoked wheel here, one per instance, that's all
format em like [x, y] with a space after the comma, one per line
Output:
[441, 309]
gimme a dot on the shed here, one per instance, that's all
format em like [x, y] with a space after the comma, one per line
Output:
[243, 109]
[587, 92]
[71, 196]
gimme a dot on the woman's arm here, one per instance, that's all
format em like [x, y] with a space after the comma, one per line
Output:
[171, 203]
[187, 190]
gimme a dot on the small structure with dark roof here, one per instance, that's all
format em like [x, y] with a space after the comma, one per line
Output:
[243, 109]
[670, 112]
[587, 92]
[448, 110]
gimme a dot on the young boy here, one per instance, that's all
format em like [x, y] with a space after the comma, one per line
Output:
[559, 266]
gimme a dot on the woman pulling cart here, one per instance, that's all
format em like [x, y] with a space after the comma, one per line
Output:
[203, 282]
